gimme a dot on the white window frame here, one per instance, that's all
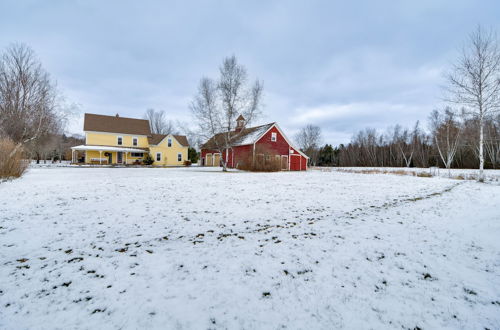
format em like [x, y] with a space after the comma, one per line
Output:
[118, 138]
[156, 157]
[169, 142]
[274, 137]
[179, 154]
[135, 141]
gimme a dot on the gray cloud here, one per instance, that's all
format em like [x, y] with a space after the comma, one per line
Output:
[343, 66]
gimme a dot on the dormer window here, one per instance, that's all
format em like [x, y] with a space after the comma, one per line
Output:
[169, 142]
[119, 141]
[273, 137]
[134, 141]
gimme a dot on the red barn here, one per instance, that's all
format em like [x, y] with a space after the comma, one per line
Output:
[262, 144]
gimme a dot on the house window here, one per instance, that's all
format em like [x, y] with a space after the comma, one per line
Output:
[169, 142]
[158, 156]
[137, 154]
[179, 157]
[120, 141]
[134, 141]
[273, 137]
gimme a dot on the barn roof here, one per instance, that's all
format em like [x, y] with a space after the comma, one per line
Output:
[245, 136]
[115, 124]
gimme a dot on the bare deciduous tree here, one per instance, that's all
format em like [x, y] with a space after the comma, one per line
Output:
[309, 139]
[492, 140]
[217, 104]
[28, 98]
[158, 122]
[446, 135]
[475, 81]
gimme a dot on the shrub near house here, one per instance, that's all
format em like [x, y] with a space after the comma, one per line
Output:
[119, 140]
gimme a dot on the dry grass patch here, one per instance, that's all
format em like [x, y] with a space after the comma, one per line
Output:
[12, 164]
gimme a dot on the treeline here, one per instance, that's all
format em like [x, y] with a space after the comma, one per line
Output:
[451, 143]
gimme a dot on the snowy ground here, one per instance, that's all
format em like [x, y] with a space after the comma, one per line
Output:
[191, 248]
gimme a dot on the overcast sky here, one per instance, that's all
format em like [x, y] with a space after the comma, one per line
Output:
[342, 65]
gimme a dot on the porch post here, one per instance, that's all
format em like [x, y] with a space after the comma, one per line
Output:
[125, 158]
[100, 157]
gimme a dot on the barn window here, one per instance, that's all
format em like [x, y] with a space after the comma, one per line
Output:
[273, 137]
[119, 141]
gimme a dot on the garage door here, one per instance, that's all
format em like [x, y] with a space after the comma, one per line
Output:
[216, 159]
[295, 162]
[208, 160]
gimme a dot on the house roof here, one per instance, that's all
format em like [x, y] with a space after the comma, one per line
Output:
[182, 139]
[115, 124]
[246, 136]
[157, 138]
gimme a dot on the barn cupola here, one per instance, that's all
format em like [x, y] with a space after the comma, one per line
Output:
[240, 123]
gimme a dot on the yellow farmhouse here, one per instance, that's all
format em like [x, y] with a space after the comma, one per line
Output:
[119, 140]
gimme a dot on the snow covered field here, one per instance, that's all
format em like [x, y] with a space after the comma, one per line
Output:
[492, 176]
[194, 248]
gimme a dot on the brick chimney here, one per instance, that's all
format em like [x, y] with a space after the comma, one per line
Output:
[240, 124]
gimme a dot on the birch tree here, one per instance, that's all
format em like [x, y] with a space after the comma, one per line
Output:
[474, 81]
[446, 135]
[218, 103]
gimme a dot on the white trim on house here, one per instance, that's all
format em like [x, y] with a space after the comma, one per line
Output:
[136, 139]
[118, 138]
[179, 154]
[156, 156]
[274, 137]
[106, 148]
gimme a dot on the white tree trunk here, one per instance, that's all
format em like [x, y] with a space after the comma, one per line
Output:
[481, 154]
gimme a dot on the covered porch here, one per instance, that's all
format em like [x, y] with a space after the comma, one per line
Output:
[105, 155]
